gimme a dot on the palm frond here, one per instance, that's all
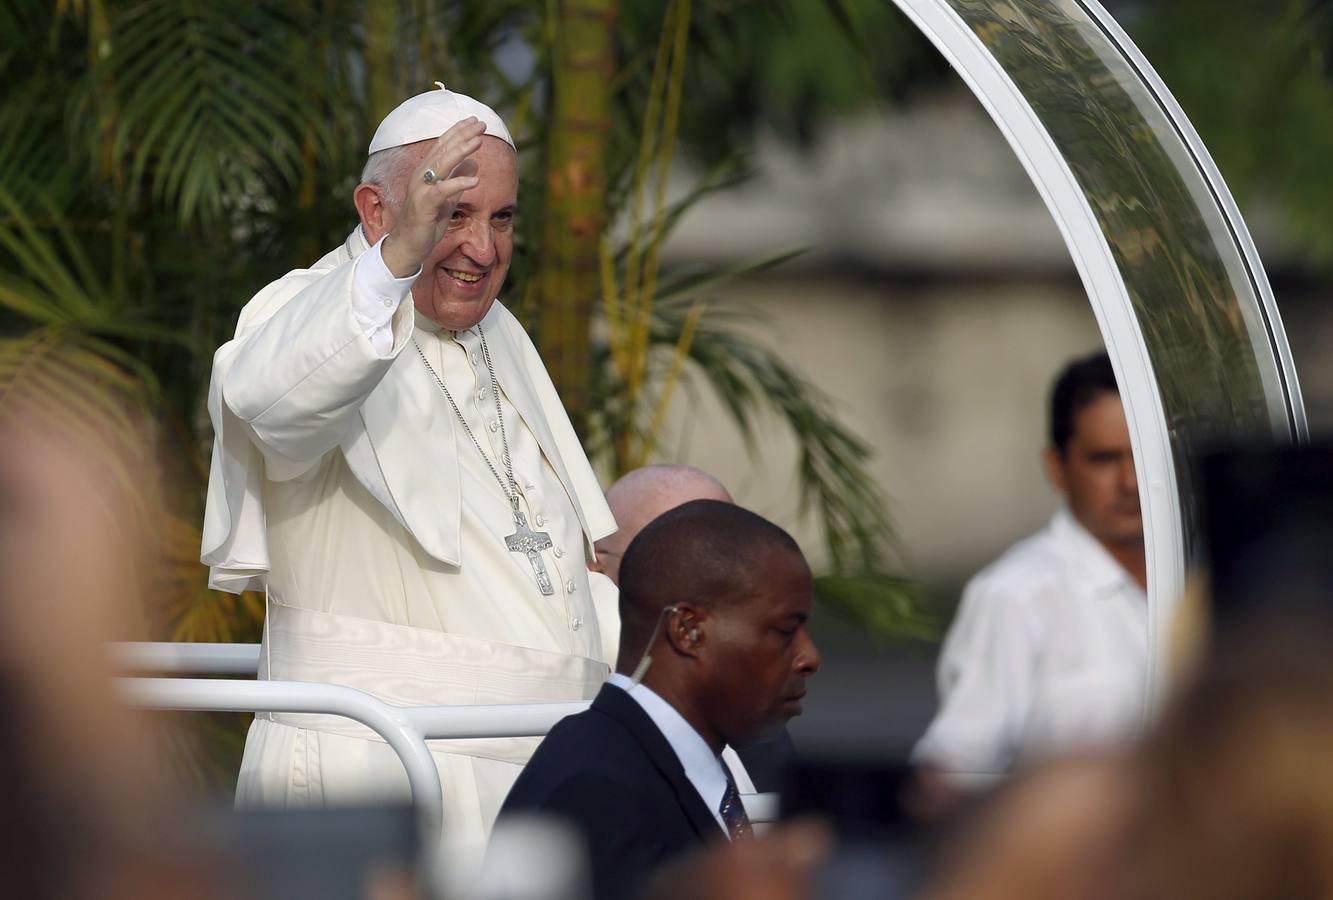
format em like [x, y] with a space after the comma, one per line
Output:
[207, 104]
[34, 161]
[189, 610]
[833, 472]
[882, 604]
[50, 277]
[691, 284]
[835, 481]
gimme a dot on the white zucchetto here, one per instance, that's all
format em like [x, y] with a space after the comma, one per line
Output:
[427, 116]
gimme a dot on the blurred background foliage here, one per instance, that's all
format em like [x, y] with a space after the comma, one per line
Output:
[1256, 80]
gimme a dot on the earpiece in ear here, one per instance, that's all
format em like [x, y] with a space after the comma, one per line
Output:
[694, 635]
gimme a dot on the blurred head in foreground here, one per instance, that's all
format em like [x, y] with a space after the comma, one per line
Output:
[78, 524]
[1228, 798]
[1054, 833]
[732, 593]
[781, 864]
[1237, 791]
[641, 495]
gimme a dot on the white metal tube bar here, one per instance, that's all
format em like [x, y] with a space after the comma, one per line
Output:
[404, 728]
[187, 657]
[499, 721]
[300, 697]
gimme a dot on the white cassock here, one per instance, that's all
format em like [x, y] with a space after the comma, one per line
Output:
[343, 485]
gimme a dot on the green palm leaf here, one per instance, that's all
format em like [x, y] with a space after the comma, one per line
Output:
[208, 105]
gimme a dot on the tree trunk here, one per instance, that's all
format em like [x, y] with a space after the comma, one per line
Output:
[568, 286]
[383, 88]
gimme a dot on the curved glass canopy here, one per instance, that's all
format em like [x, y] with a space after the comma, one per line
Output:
[1169, 268]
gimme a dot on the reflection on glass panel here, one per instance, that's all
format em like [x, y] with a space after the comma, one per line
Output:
[1200, 317]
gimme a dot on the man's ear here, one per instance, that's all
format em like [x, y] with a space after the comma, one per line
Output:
[1054, 464]
[684, 629]
[370, 206]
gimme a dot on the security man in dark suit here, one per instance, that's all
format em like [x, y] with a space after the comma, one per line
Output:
[714, 650]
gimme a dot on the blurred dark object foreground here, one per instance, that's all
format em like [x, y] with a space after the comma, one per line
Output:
[880, 840]
[334, 854]
[1268, 534]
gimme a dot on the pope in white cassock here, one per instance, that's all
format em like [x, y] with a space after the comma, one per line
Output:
[393, 468]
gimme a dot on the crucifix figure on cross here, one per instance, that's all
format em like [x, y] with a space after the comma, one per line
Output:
[525, 540]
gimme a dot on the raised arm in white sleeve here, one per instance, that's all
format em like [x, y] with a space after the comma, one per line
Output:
[309, 348]
[303, 362]
[376, 295]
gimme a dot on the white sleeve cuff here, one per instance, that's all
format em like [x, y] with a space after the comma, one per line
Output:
[376, 296]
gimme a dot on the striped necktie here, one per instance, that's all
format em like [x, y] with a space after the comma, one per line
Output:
[733, 812]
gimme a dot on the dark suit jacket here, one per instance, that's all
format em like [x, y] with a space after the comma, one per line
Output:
[611, 773]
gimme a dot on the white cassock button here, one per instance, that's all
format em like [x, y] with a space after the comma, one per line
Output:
[481, 394]
[575, 623]
[570, 586]
[541, 520]
[387, 303]
[558, 553]
[476, 358]
[495, 426]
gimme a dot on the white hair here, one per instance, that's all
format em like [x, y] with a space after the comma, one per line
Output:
[386, 169]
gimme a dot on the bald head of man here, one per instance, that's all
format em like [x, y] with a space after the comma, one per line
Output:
[642, 495]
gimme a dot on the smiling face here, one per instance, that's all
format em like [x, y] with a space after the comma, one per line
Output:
[760, 652]
[463, 275]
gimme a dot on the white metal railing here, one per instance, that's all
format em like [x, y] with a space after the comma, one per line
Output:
[405, 728]
[187, 658]
[224, 695]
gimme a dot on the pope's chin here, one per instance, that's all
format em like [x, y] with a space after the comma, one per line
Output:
[453, 305]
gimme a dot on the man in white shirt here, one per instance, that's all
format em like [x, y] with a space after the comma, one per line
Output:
[394, 469]
[714, 651]
[1049, 649]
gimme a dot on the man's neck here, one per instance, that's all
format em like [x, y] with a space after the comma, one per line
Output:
[669, 692]
[1132, 559]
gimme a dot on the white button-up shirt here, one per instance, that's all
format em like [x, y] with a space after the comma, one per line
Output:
[1048, 652]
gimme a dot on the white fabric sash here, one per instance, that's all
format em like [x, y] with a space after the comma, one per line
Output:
[418, 667]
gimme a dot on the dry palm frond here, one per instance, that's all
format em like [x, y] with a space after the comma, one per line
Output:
[835, 482]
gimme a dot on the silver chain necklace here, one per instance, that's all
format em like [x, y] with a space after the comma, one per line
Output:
[524, 540]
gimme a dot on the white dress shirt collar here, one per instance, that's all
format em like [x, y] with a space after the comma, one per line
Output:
[702, 768]
[1105, 573]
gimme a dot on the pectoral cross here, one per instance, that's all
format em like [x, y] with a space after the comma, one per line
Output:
[525, 540]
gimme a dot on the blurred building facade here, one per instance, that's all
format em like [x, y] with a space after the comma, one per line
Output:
[935, 303]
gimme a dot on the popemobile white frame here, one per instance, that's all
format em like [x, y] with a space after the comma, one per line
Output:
[1164, 510]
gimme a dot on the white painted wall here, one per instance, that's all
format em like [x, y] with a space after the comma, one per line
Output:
[947, 383]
